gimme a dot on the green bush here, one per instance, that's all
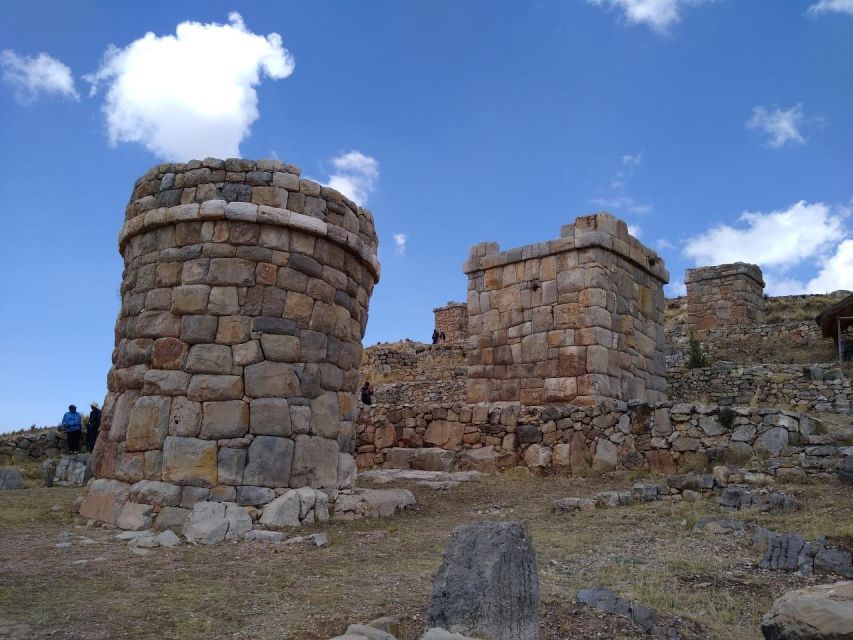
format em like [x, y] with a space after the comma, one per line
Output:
[697, 358]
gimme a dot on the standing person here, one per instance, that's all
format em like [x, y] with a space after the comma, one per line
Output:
[366, 393]
[93, 427]
[72, 424]
[435, 336]
[442, 337]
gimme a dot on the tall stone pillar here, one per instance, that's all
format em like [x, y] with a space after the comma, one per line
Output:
[237, 348]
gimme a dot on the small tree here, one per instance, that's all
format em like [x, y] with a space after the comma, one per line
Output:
[697, 358]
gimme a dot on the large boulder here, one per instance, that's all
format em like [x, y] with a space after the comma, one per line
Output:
[11, 479]
[488, 586]
[212, 522]
[821, 612]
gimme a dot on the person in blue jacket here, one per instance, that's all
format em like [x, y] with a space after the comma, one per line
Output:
[72, 424]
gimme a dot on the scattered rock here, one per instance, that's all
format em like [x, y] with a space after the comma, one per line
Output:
[606, 600]
[212, 522]
[487, 584]
[821, 612]
[11, 478]
[317, 539]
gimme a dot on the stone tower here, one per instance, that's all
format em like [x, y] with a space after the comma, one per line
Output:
[244, 302]
[452, 320]
[575, 320]
[726, 295]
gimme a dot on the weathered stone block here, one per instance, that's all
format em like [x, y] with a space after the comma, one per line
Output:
[269, 462]
[227, 419]
[189, 461]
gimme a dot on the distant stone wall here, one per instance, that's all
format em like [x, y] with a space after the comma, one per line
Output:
[800, 388]
[579, 319]
[662, 438]
[452, 321]
[755, 344]
[31, 445]
[238, 344]
[724, 295]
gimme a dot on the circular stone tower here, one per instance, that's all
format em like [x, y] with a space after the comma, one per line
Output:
[237, 347]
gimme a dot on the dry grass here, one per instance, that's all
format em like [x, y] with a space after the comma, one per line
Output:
[371, 568]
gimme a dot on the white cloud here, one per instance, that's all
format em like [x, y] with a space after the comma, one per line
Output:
[660, 15]
[780, 125]
[675, 289]
[355, 176]
[622, 203]
[192, 94]
[663, 243]
[836, 271]
[635, 230]
[832, 6]
[30, 77]
[632, 160]
[778, 241]
[400, 244]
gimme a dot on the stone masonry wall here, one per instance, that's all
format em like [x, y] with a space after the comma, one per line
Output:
[238, 344]
[724, 295]
[452, 320]
[579, 319]
[801, 388]
[661, 438]
[764, 343]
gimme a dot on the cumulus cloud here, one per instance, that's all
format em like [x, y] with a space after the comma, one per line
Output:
[192, 94]
[836, 271]
[663, 244]
[832, 6]
[660, 15]
[355, 175]
[804, 233]
[780, 125]
[31, 77]
[635, 230]
[400, 244]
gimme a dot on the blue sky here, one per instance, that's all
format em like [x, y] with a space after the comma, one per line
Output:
[719, 130]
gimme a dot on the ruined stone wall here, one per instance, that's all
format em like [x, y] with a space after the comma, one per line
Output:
[452, 320]
[724, 295]
[801, 388]
[789, 341]
[579, 319]
[238, 344]
[661, 438]
[32, 445]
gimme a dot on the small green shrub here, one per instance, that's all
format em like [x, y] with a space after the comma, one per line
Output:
[697, 357]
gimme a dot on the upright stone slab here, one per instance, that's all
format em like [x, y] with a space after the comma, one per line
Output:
[726, 295]
[244, 302]
[576, 320]
[452, 321]
[488, 586]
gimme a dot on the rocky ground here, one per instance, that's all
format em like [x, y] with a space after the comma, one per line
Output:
[60, 578]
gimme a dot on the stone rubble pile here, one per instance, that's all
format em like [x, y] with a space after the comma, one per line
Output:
[784, 551]
[688, 487]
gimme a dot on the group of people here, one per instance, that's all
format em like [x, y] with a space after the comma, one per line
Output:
[72, 426]
[438, 337]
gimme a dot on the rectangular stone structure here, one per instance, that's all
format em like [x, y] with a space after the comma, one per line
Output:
[725, 295]
[575, 320]
[452, 321]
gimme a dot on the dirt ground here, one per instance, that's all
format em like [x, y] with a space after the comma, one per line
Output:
[709, 586]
